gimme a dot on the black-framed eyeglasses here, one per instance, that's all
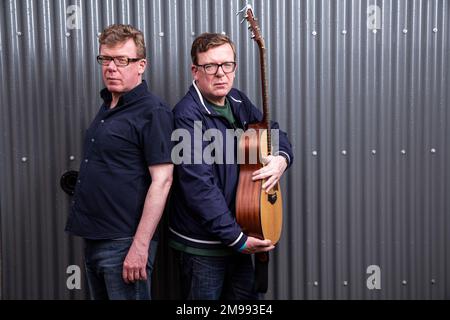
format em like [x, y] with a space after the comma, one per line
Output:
[118, 61]
[212, 68]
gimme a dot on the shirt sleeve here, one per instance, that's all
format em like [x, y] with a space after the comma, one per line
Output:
[156, 136]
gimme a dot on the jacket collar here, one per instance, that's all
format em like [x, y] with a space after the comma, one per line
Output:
[200, 100]
[200, 97]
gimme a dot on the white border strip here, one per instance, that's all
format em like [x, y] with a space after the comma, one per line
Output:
[200, 96]
[194, 240]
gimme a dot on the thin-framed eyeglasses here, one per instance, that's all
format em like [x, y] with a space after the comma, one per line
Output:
[212, 68]
[118, 61]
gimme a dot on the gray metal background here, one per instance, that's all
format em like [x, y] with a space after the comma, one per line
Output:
[367, 114]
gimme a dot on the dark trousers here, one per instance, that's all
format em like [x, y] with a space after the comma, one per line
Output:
[104, 265]
[213, 278]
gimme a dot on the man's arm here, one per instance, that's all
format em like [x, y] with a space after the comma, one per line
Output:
[198, 183]
[134, 266]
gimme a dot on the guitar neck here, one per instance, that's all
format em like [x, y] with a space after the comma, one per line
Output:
[256, 35]
[265, 93]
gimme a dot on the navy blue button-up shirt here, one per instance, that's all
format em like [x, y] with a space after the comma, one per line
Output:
[120, 144]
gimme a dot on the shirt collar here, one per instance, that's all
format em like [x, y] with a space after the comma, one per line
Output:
[126, 97]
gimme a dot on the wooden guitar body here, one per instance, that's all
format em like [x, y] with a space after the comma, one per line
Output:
[258, 213]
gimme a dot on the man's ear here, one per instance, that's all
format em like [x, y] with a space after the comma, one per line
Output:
[142, 66]
[194, 70]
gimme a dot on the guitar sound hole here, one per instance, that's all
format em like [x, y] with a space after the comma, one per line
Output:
[272, 198]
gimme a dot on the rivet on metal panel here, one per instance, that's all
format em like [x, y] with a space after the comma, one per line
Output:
[344, 152]
[224, 33]
[315, 153]
[435, 30]
[19, 33]
[374, 31]
[433, 281]
[24, 159]
[404, 282]
[345, 283]
[374, 152]
[403, 152]
[193, 33]
[433, 150]
[72, 158]
[405, 31]
[99, 34]
[344, 32]
[161, 34]
[314, 33]
[67, 34]
[316, 283]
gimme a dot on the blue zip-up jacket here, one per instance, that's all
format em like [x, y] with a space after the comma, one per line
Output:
[202, 209]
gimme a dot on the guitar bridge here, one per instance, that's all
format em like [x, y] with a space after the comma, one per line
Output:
[272, 198]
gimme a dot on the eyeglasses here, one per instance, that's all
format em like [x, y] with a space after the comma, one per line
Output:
[119, 61]
[212, 68]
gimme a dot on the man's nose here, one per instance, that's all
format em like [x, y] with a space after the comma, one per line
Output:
[111, 65]
[220, 72]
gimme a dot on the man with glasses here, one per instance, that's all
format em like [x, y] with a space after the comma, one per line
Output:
[125, 174]
[213, 251]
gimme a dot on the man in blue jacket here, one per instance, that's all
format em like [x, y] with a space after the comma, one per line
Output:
[214, 252]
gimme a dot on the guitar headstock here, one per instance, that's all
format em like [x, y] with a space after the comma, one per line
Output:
[253, 25]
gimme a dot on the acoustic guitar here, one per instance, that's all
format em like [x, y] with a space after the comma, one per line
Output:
[259, 214]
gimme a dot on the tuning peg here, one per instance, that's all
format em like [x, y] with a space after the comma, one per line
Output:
[247, 7]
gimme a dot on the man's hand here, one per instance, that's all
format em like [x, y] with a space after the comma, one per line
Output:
[255, 245]
[272, 171]
[135, 264]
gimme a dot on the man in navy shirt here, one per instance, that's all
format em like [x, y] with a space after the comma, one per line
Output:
[125, 174]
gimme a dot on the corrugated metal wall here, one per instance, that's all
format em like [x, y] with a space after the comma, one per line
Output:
[362, 87]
